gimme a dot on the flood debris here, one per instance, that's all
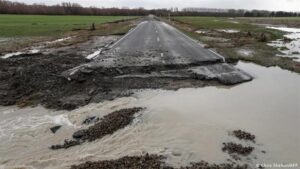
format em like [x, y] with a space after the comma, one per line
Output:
[107, 125]
[242, 135]
[239, 149]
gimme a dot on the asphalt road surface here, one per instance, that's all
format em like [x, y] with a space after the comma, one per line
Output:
[167, 52]
[155, 42]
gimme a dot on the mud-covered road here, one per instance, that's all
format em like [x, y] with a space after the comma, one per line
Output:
[151, 55]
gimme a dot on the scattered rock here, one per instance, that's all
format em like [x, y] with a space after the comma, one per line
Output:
[55, 128]
[232, 148]
[242, 135]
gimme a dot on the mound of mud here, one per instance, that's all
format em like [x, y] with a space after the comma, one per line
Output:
[242, 135]
[107, 125]
[233, 148]
[34, 79]
[205, 165]
[150, 162]
[137, 162]
[68, 81]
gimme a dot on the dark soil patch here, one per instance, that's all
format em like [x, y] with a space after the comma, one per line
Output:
[205, 165]
[107, 125]
[137, 162]
[149, 162]
[233, 148]
[34, 79]
[242, 135]
[38, 79]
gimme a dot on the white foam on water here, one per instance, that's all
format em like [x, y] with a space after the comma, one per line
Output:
[285, 29]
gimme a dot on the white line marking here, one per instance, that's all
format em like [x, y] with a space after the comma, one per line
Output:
[222, 57]
[217, 54]
[132, 30]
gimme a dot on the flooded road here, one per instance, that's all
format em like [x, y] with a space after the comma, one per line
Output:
[185, 125]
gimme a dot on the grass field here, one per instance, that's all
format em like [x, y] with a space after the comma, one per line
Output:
[39, 25]
[225, 23]
[252, 37]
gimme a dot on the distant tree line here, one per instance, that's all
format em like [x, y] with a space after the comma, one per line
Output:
[239, 13]
[67, 8]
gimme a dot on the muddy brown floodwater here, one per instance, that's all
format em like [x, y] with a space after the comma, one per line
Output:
[187, 125]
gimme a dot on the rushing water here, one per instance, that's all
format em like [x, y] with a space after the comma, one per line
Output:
[185, 125]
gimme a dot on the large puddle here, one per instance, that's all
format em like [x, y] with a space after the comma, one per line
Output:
[185, 125]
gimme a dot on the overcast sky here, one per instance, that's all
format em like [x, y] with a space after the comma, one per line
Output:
[286, 5]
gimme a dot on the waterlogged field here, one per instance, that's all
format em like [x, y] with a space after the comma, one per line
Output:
[245, 39]
[40, 25]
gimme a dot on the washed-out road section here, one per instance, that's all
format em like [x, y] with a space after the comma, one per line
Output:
[153, 55]
[165, 52]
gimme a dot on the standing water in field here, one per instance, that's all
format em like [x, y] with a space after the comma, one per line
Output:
[290, 45]
[188, 125]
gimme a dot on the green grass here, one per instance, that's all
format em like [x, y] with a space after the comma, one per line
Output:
[263, 54]
[224, 23]
[41, 25]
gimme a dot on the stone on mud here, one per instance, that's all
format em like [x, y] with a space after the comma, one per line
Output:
[55, 128]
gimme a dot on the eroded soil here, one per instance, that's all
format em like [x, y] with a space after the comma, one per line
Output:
[150, 162]
[107, 125]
